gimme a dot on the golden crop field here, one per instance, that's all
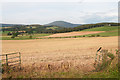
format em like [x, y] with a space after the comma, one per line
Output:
[74, 33]
[78, 52]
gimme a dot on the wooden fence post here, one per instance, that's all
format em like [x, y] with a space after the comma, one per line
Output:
[20, 59]
[6, 59]
[97, 53]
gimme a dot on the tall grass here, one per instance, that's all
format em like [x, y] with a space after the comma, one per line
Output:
[106, 68]
[106, 58]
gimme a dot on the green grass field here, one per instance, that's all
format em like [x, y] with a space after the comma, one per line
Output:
[53, 28]
[104, 34]
[5, 32]
[20, 37]
[25, 36]
[104, 28]
[109, 31]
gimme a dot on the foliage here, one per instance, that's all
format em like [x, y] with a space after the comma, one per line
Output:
[97, 35]
[39, 29]
[109, 71]
[15, 34]
[110, 55]
[12, 36]
[100, 65]
[92, 36]
[30, 37]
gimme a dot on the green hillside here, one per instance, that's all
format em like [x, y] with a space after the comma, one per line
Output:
[104, 28]
[109, 31]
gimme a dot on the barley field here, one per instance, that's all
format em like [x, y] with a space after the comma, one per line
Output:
[78, 53]
[74, 33]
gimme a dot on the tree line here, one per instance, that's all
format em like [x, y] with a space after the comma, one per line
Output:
[43, 29]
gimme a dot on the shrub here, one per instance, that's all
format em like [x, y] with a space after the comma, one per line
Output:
[74, 36]
[98, 35]
[83, 35]
[13, 36]
[30, 37]
[92, 36]
[16, 34]
[9, 33]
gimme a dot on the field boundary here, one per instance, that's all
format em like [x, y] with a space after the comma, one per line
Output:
[15, 62]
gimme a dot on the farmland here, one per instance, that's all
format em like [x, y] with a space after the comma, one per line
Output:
[104, 28]
[78, 52]
[104, 31]
[74, 33]
[20, 37]
[66, 55]
[108, 31]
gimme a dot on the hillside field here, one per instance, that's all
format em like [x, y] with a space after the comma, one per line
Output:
[109, 31]
[104, 31]
[104, 28]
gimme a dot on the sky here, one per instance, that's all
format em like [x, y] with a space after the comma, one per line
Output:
[46, 11]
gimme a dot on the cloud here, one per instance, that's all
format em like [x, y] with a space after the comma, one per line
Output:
[58, 0]
[43, 13]
[99, 17]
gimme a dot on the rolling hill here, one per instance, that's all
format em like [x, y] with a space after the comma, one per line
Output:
[109, 31]
[104, 28]
[63, 24]
[7, 25]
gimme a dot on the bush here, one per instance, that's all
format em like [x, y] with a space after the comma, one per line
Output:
[98, 35]
[30, 37]
[83, 35]
[16, 34]
[13, 36]
[92, 36]
[9, 34]
[74, 36]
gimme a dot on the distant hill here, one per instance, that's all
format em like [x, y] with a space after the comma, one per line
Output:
[7, 25]
[63, 24]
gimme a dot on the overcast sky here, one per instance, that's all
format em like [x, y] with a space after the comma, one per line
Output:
[74, 11]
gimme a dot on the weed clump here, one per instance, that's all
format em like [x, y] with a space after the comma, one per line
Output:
[105, 59]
